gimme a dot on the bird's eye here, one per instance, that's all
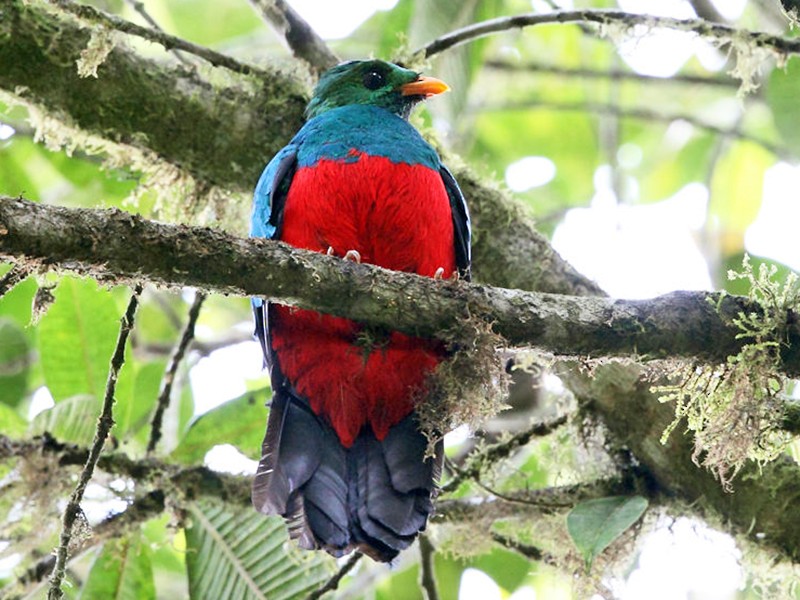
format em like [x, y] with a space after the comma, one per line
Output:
[373, 80]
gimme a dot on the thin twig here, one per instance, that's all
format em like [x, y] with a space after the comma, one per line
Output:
[722, 34]
[17, 273]
[618, 74]
[104, 425]
[139, 8]
[477, 460]
[333, 582]
[169, 375]
[427, 577]
[96, 16]
[302, 40]
[528, 551]
[112, 527]
[644, 114]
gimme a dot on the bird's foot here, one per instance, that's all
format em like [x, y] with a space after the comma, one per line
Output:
[353, 255]
[330, 251]
[439, 274]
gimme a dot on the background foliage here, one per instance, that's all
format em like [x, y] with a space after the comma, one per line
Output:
[558, 92]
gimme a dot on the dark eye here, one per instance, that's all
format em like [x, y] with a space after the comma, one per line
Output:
[374, 80]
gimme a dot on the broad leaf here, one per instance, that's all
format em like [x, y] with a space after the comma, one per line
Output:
[235, 552]
[122, 571]
[593, 525]
[11, 423]
[14, 362]
[239, 422]
[73, 420]
[76, 338]
[16, 303]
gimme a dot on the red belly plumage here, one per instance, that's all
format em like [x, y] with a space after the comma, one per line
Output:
[396, 216]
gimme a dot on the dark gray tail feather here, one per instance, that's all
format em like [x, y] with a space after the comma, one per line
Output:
[375, 496]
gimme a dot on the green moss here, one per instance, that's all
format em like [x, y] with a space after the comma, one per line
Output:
[468, 388]
[735, 409]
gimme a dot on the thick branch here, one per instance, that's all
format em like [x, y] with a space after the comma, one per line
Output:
[169, 112]
[117, 246]
[714, 31]
[763, 505]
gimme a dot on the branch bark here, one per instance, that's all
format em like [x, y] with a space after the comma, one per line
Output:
[115, 246]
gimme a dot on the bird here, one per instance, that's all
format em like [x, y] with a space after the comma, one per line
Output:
[344, 461]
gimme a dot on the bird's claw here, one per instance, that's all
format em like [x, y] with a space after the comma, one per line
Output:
[439, 274]
[353, 255]
[330, 251]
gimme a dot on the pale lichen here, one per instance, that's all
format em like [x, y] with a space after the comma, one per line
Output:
[735, 409]
[101, 43]
[469, 387]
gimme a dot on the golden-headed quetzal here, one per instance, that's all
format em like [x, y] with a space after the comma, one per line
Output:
[343, 458]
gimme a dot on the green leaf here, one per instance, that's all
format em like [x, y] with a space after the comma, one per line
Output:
[783, 91]
[594, 524]
[137, 392]
[16, 303]
[122, 571]
[11, 423]
[76, 338]
[72, 420]
[239, 422]
[15, 362]
[235, 552]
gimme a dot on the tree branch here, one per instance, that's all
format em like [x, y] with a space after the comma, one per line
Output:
[722, 34]
[705, 9]
[302, 40]
[477, 461]
[142, 11]
[762, 506]
[96, 16]
[104, 425]
[427, 576]
[158, 110]
[169, 375]
[333, 583]
[114, 245]
[15, 275]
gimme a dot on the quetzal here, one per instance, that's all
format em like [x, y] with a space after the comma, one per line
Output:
[343, 457]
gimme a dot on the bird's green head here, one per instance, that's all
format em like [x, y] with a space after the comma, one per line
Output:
[372, 82]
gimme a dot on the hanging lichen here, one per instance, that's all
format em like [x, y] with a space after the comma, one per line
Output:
[735, 409]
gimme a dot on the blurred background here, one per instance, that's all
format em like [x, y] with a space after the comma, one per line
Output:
[651, 158]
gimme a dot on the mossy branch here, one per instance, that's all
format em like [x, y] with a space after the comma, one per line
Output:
[115, 247]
